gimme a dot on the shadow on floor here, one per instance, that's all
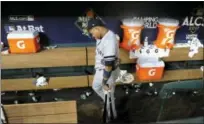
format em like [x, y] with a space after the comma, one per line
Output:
[132, 108]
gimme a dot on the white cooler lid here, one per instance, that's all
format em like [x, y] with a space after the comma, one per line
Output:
[22, 34]
[133, 22]
[150, 62]
[168, 22]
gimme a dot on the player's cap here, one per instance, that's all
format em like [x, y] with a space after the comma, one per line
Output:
[93, 23]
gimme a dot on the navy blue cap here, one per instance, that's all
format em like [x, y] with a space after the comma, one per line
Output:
[94, 22]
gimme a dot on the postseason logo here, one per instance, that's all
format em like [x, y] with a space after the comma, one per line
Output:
[20, 18]
[194, 22]
[149, 22]
[82, 21]
[11, 28]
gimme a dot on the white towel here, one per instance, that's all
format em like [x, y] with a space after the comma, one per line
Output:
[202, 68]
[41, 81]
[195, 44]
[125, 77]
[3, 118]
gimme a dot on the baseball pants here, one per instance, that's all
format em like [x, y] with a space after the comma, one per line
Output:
[98, 88]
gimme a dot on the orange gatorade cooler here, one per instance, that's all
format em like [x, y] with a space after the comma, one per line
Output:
[131, 33]
[148, 69]
[23, 41]
[166, 33]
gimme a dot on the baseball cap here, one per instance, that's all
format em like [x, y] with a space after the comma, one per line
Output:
[94, 22]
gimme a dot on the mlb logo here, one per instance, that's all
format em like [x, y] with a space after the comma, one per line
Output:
[9, 28]
[30, 18]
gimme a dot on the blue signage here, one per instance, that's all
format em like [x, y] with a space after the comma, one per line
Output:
[71, 30]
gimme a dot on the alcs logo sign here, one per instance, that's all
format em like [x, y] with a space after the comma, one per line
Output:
[20, 44]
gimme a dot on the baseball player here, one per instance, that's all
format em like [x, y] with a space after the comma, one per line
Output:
[106, 59]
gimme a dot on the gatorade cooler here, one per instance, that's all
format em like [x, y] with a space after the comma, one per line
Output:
[149, 69]
[167, 29]
[23, 41]
[131, 33]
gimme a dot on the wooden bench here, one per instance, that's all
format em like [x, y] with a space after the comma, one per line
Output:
[74, 57]
[50, 112]
[58, 57]
[176, 54]
[171, 75]
[54, 83]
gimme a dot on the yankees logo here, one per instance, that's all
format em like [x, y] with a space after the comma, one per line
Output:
[169, 38]
[99, 52]
[152, 72]
[21, 44]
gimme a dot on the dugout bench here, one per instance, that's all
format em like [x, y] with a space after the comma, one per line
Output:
[54, 112]
[176, 54]
[48, 112]
[83, 56]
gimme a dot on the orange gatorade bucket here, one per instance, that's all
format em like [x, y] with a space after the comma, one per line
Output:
[149, 69]
[166, 35]
[131, 33]
[23, 41]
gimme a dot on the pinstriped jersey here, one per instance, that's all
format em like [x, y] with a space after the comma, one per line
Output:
[107, 49]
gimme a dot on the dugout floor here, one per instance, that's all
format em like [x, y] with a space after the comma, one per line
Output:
[140, 108]
[132, 108]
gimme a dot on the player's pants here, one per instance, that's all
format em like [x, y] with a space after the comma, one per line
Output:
[97, 85]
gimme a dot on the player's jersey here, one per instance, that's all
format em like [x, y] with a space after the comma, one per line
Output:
[107, 48]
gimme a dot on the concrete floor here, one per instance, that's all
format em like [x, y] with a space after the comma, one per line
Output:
[140, 108]
[132, 108]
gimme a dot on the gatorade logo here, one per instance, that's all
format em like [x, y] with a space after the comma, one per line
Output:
[169, 38]
[152, 72]
[21, 44]
[134, 36]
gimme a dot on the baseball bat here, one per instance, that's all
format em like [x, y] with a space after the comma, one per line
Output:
[111, 109]
[105, 110]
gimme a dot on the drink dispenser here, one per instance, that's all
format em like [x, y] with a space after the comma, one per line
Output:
[131, 33]
[166, 33]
